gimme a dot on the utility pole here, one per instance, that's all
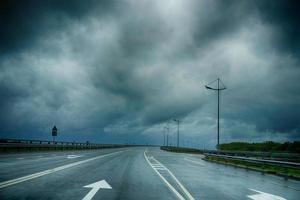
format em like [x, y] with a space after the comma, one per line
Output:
[178, 121]
[218, 89]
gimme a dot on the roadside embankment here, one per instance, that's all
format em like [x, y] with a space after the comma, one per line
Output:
[285, 169]
[181, 149]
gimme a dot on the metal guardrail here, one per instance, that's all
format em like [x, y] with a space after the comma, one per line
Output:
[260, 161]
[8, 144]
[253, 153]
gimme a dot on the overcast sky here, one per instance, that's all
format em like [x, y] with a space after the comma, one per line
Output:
[118, 71]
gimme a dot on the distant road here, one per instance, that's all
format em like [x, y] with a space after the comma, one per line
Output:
[133, 173]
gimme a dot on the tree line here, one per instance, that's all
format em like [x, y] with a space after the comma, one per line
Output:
[293, 147]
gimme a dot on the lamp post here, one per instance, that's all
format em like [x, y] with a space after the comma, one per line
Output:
[167, 138]
[177, 121]
[164, 137]
[218, 89]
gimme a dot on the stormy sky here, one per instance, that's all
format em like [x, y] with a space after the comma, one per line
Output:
[118, 71]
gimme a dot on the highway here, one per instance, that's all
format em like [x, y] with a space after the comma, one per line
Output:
[133, 173]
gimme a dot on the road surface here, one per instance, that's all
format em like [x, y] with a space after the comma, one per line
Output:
[133, 173]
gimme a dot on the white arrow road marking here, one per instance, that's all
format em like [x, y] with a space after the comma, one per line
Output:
[95, 187]
[264, 196]
[73, 156]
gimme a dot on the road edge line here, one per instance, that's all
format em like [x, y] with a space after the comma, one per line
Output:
[187, 193]
[179, 196]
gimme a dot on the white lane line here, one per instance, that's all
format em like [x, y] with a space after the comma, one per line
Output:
[73, 156]
[50, 171]
[165, 181]
[264, 196]
[178, 182]
[20, 158]
[156, 165]
[160, 168]
[194, 161]
[179, 196]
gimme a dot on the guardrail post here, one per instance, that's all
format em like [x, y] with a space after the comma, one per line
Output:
[263, 168]
[286, 171]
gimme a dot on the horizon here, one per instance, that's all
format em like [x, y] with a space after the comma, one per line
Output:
[120, 71]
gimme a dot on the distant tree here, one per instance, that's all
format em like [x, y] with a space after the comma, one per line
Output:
[267, 146]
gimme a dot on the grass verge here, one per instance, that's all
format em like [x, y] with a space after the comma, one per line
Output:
[181, 150]
[264, 168]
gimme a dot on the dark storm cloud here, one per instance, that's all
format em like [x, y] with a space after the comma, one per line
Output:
[127, 67]
[24, 22]
[285, 17]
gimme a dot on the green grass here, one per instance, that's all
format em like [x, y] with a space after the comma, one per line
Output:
[270, 169]
[268, 146]
[181, 149]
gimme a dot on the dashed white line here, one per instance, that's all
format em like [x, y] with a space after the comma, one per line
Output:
[73, 156]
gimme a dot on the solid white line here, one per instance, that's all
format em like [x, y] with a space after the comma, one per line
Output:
[179, 196]
[194, 161]
[178, 182]
[50, 171]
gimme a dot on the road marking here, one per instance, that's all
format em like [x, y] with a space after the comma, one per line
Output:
[20, 158]
[194, 161]
[160, 168]
[95, 187]
[73, 156]
[179, 196]
[264, 196]
[50, 171]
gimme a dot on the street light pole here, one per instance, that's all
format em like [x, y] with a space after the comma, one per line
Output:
[178, 121]
[167, 138]
[218, 90]
[218, 113]
[164, 137]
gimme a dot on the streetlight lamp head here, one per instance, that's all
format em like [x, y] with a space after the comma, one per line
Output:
[208, 87]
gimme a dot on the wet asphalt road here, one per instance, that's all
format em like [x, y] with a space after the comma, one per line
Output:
[133, 173]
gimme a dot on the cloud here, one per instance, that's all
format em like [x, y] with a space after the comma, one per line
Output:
[123, 69]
